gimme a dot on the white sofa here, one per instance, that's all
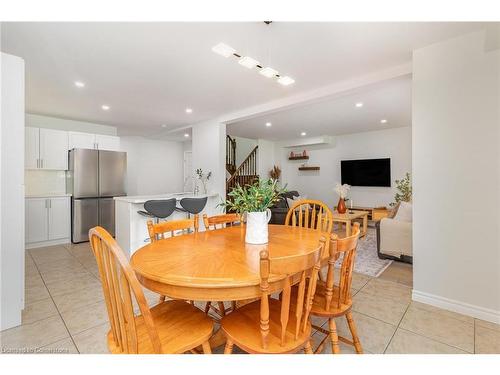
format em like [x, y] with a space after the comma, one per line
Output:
[394, 235]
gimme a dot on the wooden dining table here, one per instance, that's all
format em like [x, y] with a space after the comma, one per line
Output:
[217, 265]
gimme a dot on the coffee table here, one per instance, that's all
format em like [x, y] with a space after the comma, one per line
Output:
[347, 218]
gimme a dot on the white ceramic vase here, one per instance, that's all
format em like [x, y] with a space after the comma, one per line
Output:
[256, 228]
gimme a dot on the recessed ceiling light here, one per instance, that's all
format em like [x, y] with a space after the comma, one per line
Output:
[285, 81]
[79, 84]
[105, 107]
[359, 105]
[268, 72]
[163, 125]
[248, 62]
[383, 121]
[189, 110]
[303, 133]
[268, 124]
[186, 135]
[223, 50]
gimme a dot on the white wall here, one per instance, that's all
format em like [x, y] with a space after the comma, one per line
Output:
[243, 147]
[392, 143]
[153, 166]
[187, 145]
[456, 177]
[39, 121]
[12, 191]
[265, 158]
[209, 153]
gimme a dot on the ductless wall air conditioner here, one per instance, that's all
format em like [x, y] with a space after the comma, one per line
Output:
[310, 141]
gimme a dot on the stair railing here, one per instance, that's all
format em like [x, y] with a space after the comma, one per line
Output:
[246, 173]
[230, 152]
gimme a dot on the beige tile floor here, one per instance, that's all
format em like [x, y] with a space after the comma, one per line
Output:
[65, 312]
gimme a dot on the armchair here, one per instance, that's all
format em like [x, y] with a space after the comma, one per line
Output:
[394, 239]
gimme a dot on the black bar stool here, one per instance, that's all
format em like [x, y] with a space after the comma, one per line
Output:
[192, 206]
[158, 209]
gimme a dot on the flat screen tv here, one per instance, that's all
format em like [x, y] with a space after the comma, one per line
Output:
[366, 172]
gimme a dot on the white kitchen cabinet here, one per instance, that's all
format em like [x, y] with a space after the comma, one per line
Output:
[107, 142]
[53, 149]
[47, 220]
[37, 225]
[31, 148]
[81, 140]
[58, 218]
[94, 141]
[46, 149]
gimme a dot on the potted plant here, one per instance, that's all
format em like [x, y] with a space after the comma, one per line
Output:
[342, 191]
[404, 190]
[254, 201]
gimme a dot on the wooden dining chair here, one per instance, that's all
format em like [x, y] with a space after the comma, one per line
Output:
[169, 327]
[158, 231]
[332, 301]
[219, 222]
[312, 214]
[271, 325]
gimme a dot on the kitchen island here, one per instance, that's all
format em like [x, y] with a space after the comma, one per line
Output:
[131, 228]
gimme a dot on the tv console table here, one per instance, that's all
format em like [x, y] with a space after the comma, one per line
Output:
[374, 213]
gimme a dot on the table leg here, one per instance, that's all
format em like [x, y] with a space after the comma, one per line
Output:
[348, 228]
[365, 225]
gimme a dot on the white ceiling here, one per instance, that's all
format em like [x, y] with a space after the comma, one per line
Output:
[148, 73]
[389, 100]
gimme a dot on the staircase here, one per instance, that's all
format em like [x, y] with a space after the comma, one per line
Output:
[246, 173]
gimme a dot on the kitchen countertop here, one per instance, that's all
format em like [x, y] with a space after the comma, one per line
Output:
[48, 195]
[139, 199]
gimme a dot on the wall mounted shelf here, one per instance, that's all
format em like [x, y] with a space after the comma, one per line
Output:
[308, 168]
[298, 158]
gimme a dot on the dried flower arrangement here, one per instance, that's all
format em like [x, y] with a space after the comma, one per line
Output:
[275, 173]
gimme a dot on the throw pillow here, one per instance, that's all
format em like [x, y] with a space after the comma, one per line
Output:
[291, 202]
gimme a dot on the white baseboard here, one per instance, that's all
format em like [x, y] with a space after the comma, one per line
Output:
[35, 245]
[457, 306]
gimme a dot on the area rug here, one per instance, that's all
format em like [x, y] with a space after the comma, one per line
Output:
[367, 261]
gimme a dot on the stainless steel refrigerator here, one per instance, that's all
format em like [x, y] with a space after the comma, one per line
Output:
[94, 178]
